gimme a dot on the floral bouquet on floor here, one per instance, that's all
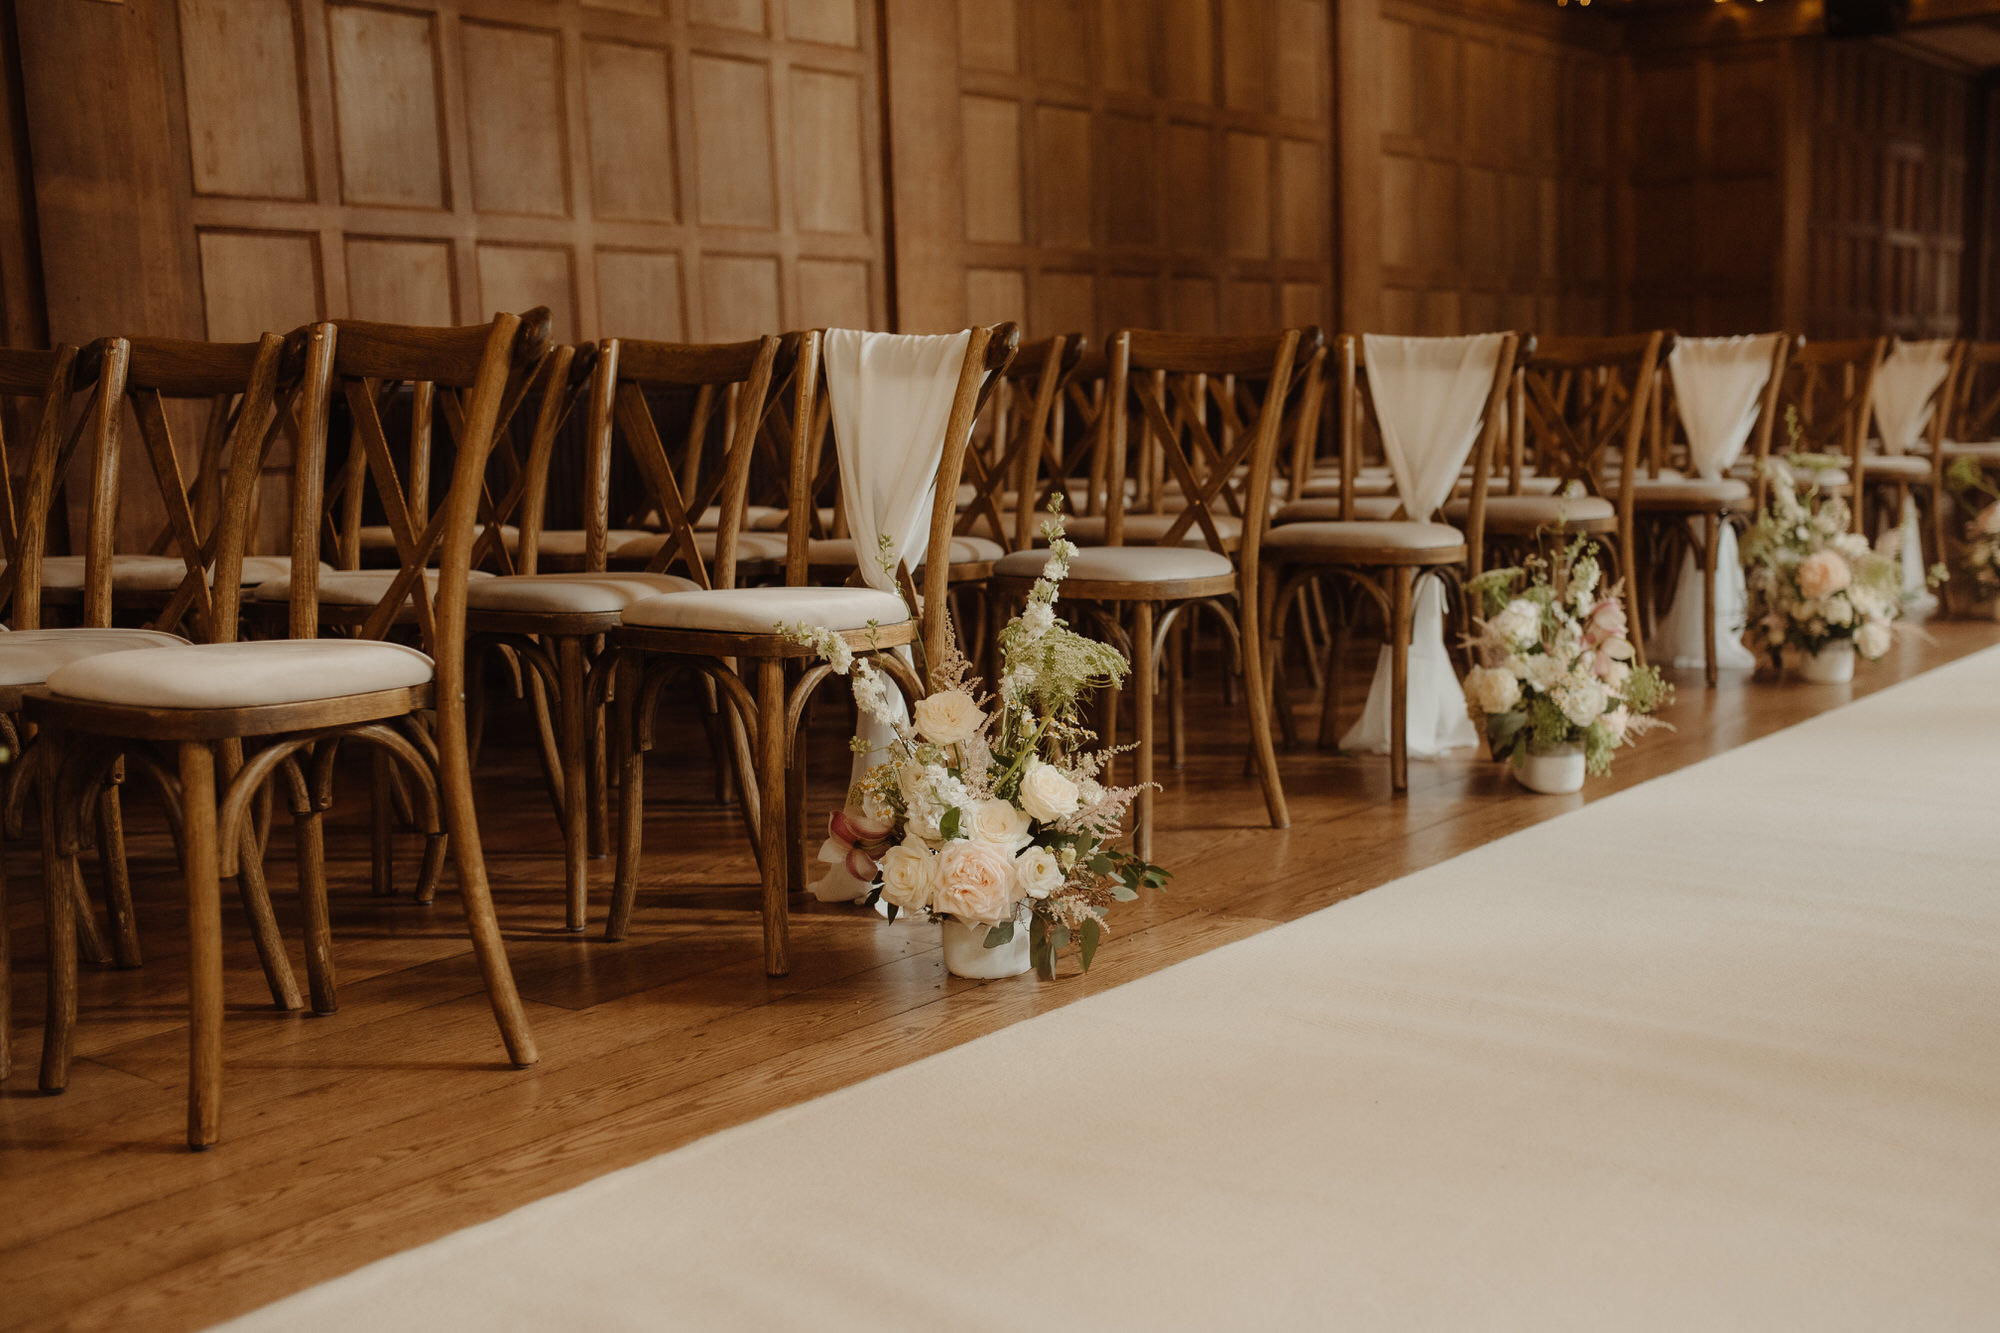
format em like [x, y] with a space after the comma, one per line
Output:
[1814, 586]
[987, 813]
[1977, 496]
[1556, 675]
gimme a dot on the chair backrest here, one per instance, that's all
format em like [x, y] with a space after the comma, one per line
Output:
[46, 381]
[1436, 405]
[1912, 391]
[1713, 398]
[1193, 426]
[1975, 412]
[1831, 387]
[726, 392]
[1025, 407]
[1581, 406]
[476, 376]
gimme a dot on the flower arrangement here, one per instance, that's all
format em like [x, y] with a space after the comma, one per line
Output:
[1977, 496]
[1556, 661]
[988, 811]
[1811, 581]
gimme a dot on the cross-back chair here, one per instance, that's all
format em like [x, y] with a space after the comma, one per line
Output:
[1900, 474]
[1973, 423]
[1830, 393]
[731, 634]
[1173, 407]
[301, 697]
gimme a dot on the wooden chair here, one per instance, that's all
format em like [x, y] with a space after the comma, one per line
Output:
[1830, 392]
[302, 696]
[1579, 409]
[1383, 557]
[729, 634]
[1667, 507]
[1149, 570]
[1973, 422]
[1902, 481]
[554, 621]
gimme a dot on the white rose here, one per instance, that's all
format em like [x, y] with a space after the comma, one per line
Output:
[1519, 625]
[1038, 872]
[1616, 721]
[975, 882]
[1047, 792]
[1543, 672]
[1839, 611]
[1582, 700]
[1491, 690]
[998, 822]
[909, 875]
[949, 717]
[1872, 640]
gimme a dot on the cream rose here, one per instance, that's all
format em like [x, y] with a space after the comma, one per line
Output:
[975, 882]
[1822, 574]
[949, 717]
[909, 875]
[1872, 640]
[998, 822]
[1989, 519]
[1038, 872]
[1519, 624]
[1492, 690]
[1047, 792]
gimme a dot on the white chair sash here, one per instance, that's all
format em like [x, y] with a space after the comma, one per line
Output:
[1430, 400]
[891, 395]
[1719, 388]
[1910, 374]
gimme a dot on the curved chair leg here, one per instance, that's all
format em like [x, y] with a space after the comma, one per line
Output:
[250, 887]
[631, 802]
[1711, 539]
[1336, 673]
[117, 880]
[204, 888]
[1177, 696]
[381, 826]
[773, 828]
[461, 827]
[572, 716]
[1400, 580]
[1628, 563]
[309, 837]
[59, 921]
[1257, 700]
[1142, 725]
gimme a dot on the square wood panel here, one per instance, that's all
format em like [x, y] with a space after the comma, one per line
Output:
[628, 109]
[734, 182]
[254, 283]
[514, 119]
[385, 91]
[640, 295]
[515, 278]
[399, 281]
[239, 61]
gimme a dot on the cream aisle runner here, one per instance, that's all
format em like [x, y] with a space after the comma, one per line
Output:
[1598, 1075]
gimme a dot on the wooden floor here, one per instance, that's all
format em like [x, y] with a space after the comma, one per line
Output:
[349, 1137]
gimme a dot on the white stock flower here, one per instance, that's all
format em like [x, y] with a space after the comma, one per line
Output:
[1492, 690]
[1000, 823]
[1872, 639]
[1839, 610]
[1038, 872]
[949, 717]
[1519, 624]
[1582, 699]
[1047, 792]
[1543, 671]
[909, 875]
[1036, 621]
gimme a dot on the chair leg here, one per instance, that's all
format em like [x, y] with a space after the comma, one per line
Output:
[309, 837]
[204, 889]
[117, 880]
[631, 802]
[1400, 580]
[461, 827]
[573, 708]
[772, 827]
[6, 982]
[599, 769]
[1711, 539]
[256, 896]
[1257, 699]
[1142, 719]
[1628, 562]
[1336, 673]
[795, 812]
[382, 825]
[1177, 693]
[59, 922]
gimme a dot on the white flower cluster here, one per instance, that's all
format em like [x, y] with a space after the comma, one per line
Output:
[1812, 581]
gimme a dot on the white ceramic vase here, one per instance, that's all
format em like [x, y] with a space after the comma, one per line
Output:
[966, 954]
[1831, 665]
[1557, 773]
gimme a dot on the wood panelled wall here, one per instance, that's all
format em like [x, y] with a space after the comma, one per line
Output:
[1497, 176]
[705, 169]
[1153, 164]
[1887, 227]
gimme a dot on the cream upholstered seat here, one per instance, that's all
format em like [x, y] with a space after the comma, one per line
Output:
[966, 549]
[1145, 528]
[1365, 483]
[774, 520]
[1398, 534]
[749, 546]
[1122, 564]
[378, 540]
[1525, 513]
[619, 543]
[571, 594]
[1986, 451]
[1897, 467]
[1690, 491]
[1326, 509]
[154, 573]
[761, 610]
[31, 656]
[254, 674]
[350, 587]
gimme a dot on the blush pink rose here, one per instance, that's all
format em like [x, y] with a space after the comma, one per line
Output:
[1822, 574]
[975, 882]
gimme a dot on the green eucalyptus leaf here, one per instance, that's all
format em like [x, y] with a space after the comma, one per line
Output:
[948, 826]
[1000, 934]
[1124, 893]
[1092, 932]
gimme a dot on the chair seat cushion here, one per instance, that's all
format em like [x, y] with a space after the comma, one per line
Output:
[1126, 564]
[350, 587]
[378, 540]
[1823, 477]
[1399, 534]
[1986, 451]
[31, 656]
[1690, 491]
[1143, 528]
[965, 550]
[1326, 509]
[1365, 483]
[570, 594]
[1533, 511]
[749, 546]
[243, 675]
[761, 610]
[1896, 467]
[568, 543]
[129, 573]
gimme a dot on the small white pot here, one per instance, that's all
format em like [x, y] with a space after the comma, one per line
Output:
[1831, 665]
[1993, 608]
[1557, 773]
[966, 954]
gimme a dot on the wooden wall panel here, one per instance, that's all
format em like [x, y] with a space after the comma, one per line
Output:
[253, 281]
[1145, 161]
[386, 100]
[240, 65]
[514, 110]
[399, 281]
[521, 277]
[629, 107]
[641, 294]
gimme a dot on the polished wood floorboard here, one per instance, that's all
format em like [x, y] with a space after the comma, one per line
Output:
[349, 1137]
